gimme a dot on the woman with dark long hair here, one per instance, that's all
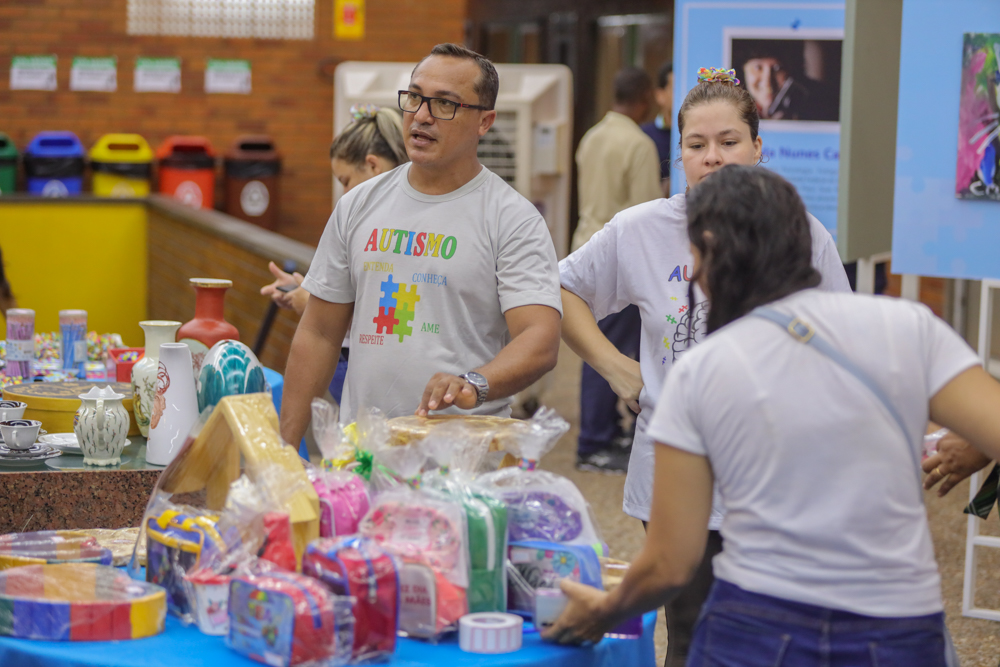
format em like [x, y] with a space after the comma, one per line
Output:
[807, 409]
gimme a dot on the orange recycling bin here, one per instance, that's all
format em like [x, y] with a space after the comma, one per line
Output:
[187, 170]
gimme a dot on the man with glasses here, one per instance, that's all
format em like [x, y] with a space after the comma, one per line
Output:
[449, 273]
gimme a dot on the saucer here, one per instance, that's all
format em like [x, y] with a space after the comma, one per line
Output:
[26, 461]
[34, 451]
[67, 443]
[75, 463]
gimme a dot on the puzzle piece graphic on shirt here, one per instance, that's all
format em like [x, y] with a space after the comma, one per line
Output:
[403, 318]
[666, 342]
[389, 289]
[673, 298]
[406, 298]
[386, 320]
[681, 310]
[670, 318]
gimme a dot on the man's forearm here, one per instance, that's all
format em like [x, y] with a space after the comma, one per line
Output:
[526, 358]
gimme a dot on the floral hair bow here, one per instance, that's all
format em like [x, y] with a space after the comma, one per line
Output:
[363, 111]
[717, 75]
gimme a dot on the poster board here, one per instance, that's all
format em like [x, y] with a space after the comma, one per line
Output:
[935, 233]
[801, 139]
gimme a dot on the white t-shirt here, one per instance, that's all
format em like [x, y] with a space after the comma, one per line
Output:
[431, 278]
[824, 504]
[643, 257]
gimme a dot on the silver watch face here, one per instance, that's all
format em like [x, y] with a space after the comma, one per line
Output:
[476, 379]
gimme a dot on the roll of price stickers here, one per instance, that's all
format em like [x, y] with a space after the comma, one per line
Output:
[490, 632]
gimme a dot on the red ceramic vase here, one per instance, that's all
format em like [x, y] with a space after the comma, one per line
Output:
[209, 325]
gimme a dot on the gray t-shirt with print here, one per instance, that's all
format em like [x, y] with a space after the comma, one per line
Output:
[430, 278]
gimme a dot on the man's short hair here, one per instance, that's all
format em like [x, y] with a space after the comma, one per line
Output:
[632, 85]
[663, 76]
[487, 85]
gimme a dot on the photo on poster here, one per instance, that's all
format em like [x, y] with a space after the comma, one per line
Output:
[791, 76]
[976, 174]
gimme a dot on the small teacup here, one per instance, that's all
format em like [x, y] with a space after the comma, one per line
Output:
[20, 434]
[11, 410]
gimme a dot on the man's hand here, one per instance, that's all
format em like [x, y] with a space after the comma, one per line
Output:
[445, 390]
[955, 460]
[583, 619]
[626, 381]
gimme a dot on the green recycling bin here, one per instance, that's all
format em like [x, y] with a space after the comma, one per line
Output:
[8, 165]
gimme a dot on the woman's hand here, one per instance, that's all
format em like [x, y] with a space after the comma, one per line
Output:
[294, 300]
[583, 619]
[955, 460]
[625, 379]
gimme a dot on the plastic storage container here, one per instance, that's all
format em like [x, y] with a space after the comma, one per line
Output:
[187, 170]
[53, 164]
[122, 165]
[252, 169]
[8, 165]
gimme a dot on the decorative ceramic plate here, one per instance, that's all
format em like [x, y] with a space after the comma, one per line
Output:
[64, 442]
[30, 460]
[230, 368]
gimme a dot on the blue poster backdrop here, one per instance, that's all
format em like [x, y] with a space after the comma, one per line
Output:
[788, 54]
[934, 233]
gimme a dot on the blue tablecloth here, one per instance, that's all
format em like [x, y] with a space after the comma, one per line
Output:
[181, 646]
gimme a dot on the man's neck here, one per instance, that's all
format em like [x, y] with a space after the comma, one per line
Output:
[627, 110]
[442, 179]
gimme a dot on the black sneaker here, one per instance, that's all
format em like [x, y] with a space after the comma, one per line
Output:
[612, 461]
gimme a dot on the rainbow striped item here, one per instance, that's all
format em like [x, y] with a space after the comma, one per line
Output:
[51, 546]
[78, 602]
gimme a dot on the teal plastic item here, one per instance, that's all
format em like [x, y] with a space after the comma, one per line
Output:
[486, 518]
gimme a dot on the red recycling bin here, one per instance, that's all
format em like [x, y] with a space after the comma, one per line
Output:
[187, 170]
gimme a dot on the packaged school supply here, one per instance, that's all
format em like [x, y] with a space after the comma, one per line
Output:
[360, 568]
[458, 451]
[343, 500]
[427, 531]
[283, 619]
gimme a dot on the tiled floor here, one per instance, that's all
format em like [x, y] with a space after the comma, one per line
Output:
[978, 641]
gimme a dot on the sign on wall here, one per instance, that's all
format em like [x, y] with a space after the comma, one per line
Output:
[227, 76]
[157, 75]
[979, 118]
[787, 54]
[349, 19]
[33, 73]
[94, 74]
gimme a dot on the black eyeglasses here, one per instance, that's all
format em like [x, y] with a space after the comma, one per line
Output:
[440, 108]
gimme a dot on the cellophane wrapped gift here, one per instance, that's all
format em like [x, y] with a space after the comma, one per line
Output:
[458, 451]
[343, 495]
[359, 567]
[426, 530]
[553, 534]
[284, 618]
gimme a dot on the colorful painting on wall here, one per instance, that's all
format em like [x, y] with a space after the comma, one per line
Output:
[977, 174]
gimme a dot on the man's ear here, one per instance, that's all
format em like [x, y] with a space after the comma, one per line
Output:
[486, 121]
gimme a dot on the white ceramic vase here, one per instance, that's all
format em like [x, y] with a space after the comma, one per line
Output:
[175, 404]
[101, 426]
[144, 370]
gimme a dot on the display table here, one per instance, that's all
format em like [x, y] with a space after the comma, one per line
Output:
[63, 493]
[181, 646]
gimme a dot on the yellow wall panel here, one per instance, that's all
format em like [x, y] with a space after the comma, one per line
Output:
[89, 255]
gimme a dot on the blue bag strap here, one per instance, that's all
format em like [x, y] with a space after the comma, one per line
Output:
[805, 334]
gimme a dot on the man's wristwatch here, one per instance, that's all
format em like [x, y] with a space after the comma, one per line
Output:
[480, 383]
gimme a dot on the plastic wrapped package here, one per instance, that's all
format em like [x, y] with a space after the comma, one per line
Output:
[336, 446]
[458, 450]
[120, 541]
[553, 534]
[343, 495]
[360, 568]
[284, 618]
[51, 546]
[78, 602]
[427, 531]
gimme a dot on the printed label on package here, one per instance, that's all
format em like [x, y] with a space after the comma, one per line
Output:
[20, 350]
[261, 623]
[33, 73]
[95, 74]
[227, 76]
[157, 75]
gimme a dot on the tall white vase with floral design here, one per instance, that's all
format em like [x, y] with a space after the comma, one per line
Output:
[144, 370]
[175, 404]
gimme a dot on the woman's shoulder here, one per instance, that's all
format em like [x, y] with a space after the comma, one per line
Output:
[657, 214]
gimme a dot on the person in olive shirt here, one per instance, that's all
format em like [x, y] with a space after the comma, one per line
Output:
[658, 129]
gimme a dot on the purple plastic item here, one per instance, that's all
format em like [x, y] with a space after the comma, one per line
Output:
[539, 515]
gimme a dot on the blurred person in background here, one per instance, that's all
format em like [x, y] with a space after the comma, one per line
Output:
[370, 145]
[618, 167]
[658, 129]
[7, 300]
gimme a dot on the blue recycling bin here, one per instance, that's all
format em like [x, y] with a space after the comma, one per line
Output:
[53, 164]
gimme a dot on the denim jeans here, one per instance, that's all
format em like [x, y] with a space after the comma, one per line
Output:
[744, 629]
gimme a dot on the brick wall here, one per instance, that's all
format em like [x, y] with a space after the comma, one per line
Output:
[291, 100]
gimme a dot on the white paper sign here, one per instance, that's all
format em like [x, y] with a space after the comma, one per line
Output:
[227, 76]
[157, 75]
[33, 73]
[98, 74]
